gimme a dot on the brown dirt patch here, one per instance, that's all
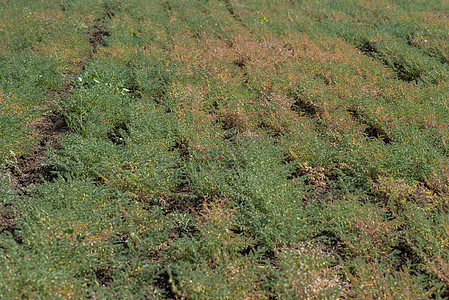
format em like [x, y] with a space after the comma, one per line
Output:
[183, 199]
[28, 169]
[7, 223]
[104, 275]
[95, 35]
[166, 284]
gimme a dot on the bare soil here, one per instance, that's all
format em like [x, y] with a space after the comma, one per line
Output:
[29, 169]
[8, 225]
[95, 35]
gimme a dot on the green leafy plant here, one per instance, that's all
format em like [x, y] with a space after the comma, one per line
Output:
[224, 149]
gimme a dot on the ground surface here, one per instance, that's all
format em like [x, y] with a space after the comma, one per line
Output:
[224, 149]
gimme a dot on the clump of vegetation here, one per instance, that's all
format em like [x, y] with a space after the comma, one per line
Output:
[223, 149]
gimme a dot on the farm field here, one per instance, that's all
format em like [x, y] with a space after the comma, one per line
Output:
[224, 149]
